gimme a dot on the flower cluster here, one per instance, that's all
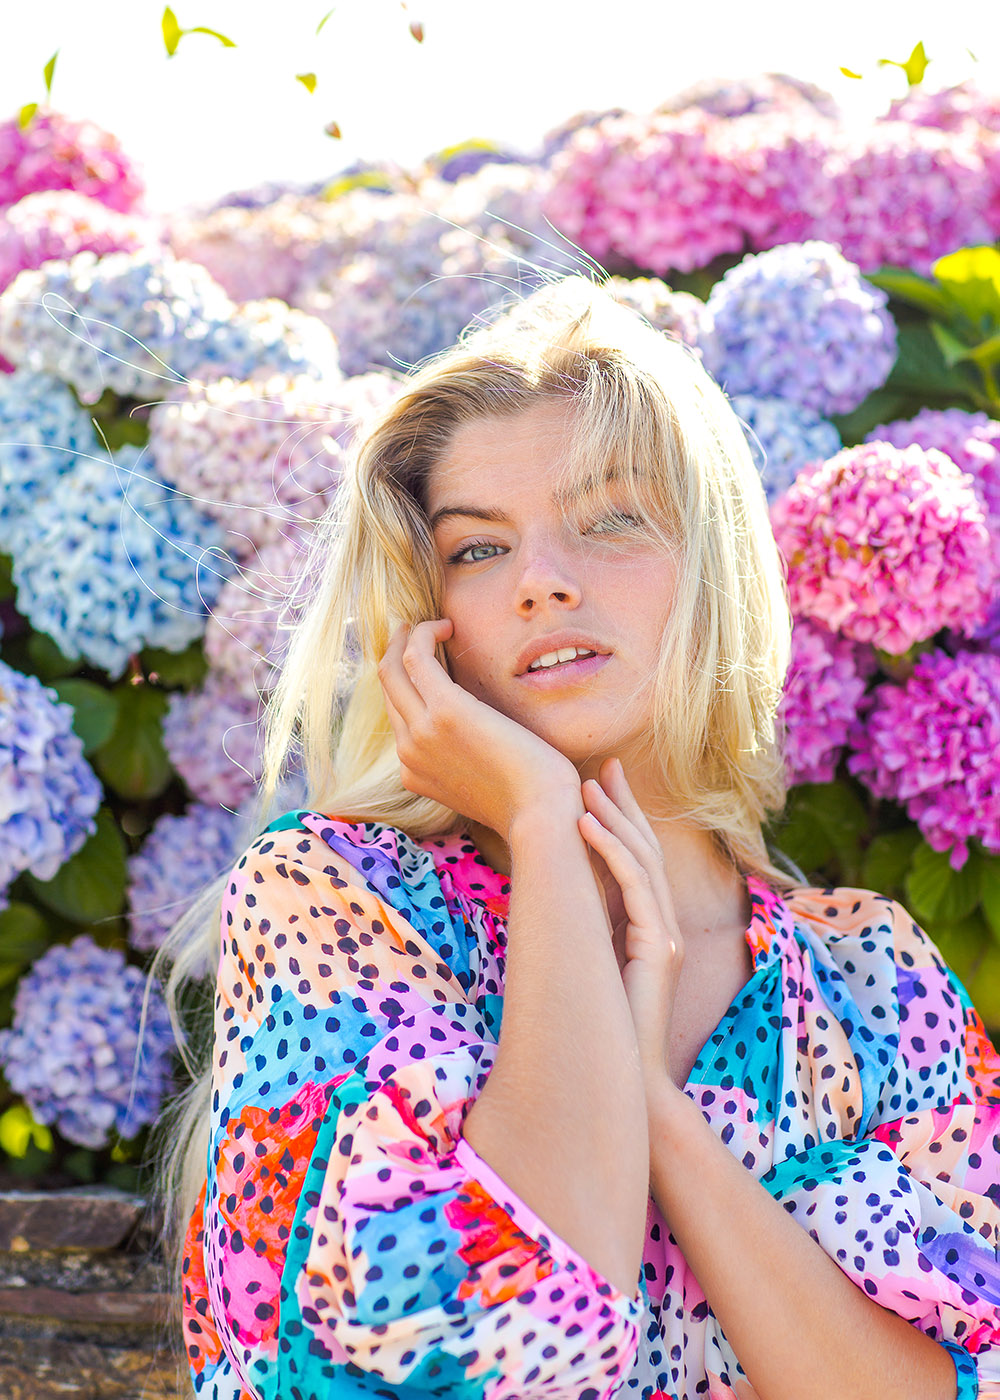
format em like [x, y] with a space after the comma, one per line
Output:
[800, 323]
[56, 153]
[77, 1051]
[58, 224]
[141, 322]
[949, 109]
[823, 690]
[678, 314]
[784, 439]
[886, 545]
[212, 738]
[42, 431]
[764, 92]
[245, 639]
[116, 561]
[971, 440]
[179, 857]
[932, 744]
[48, 791]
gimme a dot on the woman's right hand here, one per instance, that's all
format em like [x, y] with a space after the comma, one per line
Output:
[454, 748]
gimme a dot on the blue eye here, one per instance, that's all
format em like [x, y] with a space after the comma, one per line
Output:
[473, 553]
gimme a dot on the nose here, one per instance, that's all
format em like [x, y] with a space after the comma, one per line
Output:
[547, 581]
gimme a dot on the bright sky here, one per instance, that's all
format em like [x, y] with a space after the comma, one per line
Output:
[210, 119]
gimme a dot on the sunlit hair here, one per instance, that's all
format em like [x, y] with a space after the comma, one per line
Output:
[653, 439]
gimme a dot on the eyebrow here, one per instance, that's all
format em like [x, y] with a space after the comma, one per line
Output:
[576, 492]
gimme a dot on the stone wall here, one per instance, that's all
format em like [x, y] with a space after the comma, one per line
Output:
[83, 1299]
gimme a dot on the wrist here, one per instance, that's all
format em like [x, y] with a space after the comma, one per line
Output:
[670, 1112]
[557, 806]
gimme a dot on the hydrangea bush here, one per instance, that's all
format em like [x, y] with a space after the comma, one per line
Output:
[180, 401]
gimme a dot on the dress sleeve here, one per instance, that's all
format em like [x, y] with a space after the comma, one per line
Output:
[908, 1203]
[354, 1243]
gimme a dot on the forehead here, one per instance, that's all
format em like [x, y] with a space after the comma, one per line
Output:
[533, 444]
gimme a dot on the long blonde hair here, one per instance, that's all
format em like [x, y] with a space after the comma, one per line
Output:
[646, 420]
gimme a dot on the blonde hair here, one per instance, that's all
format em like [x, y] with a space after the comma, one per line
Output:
[652, 433]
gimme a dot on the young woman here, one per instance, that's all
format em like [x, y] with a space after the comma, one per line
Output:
[533, 1075]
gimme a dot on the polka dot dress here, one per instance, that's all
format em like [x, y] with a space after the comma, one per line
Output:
[349, 1242]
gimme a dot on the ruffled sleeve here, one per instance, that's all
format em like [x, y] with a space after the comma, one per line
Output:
[898, 1177]
[354, 1243]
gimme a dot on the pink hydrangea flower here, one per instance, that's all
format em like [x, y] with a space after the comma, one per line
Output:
[823, 689]
[61, 223]
[932, 744]
[55, 152]
[971, 440]
[886, 545]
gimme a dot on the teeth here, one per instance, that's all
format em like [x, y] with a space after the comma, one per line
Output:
[553, 658]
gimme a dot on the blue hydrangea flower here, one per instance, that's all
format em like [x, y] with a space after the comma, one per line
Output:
[48, 791]
[74, 1051]
[179, 857]
[783, 438]
[42, 428]
[116, 562]
[141, 322]
[800, 323]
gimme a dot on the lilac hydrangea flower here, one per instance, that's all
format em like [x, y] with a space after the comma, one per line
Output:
[141, 322]
[800, 323]
[116, 561]
[932, 744]
[53, 152]
[74, 1051]
[212, 737]
[58, 224]
[949, 109]
[971, 440]
[764, 92]
[48, 791]
[42, 429]
[678, 314]
[178, 858]
[784, 439]
[887, 545]
[826, 680]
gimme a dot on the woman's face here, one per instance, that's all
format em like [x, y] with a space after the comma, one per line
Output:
[526, 580]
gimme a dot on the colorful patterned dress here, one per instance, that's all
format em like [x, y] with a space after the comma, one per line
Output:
[349, 1241]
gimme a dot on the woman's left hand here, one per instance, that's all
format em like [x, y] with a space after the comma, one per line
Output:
[616, 829]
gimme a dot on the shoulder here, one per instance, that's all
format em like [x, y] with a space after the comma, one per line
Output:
[860, 927]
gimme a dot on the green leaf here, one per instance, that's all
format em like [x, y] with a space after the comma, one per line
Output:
[953, 351]
[914, 67]
[920, 367]
[323, 21]
[983, 987]
[971, 280]
[881, 406]
[936, 892]
[175, 669]
[849, 74]
[962, 945]
[91, 885]
[826, 822]
[986, 353]
[308, 81]
[48, 72]
[46, 660]
[133, 761]
[171, 31]
[213, 34]
[904, 285]
[989, 893]
[888, 858]
[27, 115]
[24, 934]
[95, 710]
[19, 1129]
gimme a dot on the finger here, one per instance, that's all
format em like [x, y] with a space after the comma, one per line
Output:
[642, 844]
[638, 894]
[616, 784]
[397, 687]
[420, 661]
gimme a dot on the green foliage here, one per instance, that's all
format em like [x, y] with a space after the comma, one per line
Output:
[308, 81]
[937, 894]
[822, 831]
[91, 884]
[48, 72]
[319, 27]
[23, 934]
[175, 670]
[173, 33]
[27, 115]
[95, 710]
[887, 860]
[133, 761]
[46, 661]
[19, 1131]
[913, 67]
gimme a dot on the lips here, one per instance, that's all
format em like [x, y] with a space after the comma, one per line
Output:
[555, 642]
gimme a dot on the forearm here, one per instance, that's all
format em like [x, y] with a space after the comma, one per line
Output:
[801, 1329]
[562, 1117]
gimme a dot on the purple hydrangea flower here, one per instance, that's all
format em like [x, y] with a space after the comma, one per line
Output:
[932, 744]
[213, 739]
[971, 440]
[678, 314]
[179, 857]
[56, 153]
[116, 561]
[823, 690]
[784, 439]
[48, 792]
[800, 323]
[58, 224]
[74, 1051]
[886, 545]
[141, 322]
[765, 92]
